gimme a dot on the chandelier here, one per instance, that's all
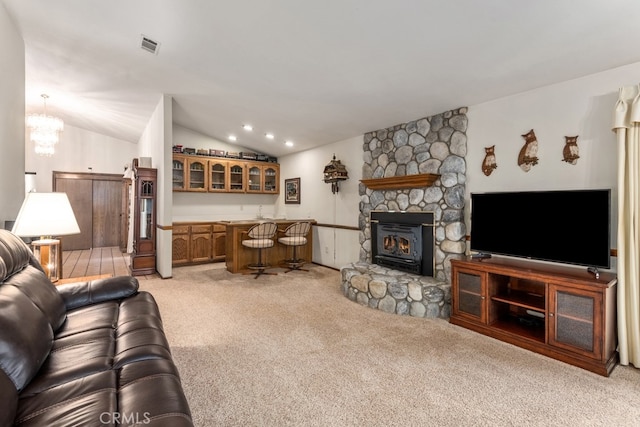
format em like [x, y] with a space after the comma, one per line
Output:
[44, 130]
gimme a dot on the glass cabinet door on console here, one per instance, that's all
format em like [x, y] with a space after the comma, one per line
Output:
[575, 320]
[179, 173]
[236, 177]
[197, 175]
[470, 294]
[218, 175]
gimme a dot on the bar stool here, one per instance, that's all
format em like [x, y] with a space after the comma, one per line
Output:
[295, 235]
[260, 237]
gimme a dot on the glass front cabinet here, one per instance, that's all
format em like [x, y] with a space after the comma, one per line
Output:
[254, 178]
[564, 312]
[271, 178]
[197, 177]
[217, 175]
[263, 178]
[574, 318]
[143, 257]
[179, 173]
[236, 177]
[469, 287]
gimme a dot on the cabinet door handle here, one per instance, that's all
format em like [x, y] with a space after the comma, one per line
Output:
[482, 297]
[550, 314]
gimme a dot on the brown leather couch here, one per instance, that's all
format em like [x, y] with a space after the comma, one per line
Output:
[81, 354]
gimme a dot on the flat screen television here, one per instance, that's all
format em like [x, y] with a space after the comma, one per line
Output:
[564, 226]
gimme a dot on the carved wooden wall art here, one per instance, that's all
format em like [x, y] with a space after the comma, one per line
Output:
[528, 153]
[489, 162]
[570, 150]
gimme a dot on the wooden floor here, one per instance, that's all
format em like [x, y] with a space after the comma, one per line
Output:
[97, 261]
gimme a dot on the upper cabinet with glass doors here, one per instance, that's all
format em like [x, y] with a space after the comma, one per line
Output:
[263, 178]
[179, 173]
[197, 176]
[216, 175]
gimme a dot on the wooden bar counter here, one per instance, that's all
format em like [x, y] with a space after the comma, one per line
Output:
[239, 256]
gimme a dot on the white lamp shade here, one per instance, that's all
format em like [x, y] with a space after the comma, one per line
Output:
[45, 214]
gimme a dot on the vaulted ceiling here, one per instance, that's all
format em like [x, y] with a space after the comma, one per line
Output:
[313, 72]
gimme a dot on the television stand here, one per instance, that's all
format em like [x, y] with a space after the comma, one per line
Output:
[561, 312]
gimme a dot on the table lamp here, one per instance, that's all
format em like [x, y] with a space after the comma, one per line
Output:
[47, 215]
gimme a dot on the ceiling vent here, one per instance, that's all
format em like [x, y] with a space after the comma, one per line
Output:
[149, 45]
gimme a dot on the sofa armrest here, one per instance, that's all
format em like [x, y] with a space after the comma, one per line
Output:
[84, 293]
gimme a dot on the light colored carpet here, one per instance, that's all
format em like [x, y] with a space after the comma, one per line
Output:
[291, 350]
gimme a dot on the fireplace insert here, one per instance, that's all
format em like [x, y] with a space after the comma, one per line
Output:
[403, 241]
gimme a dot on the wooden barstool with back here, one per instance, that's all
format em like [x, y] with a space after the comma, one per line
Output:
[260, 237]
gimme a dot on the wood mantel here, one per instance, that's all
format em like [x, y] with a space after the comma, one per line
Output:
[401, 182]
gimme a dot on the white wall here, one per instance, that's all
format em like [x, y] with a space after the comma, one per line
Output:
[333, 247]
[192, 139]
[79, 150]
[156, 142]
[12, 110]
[582, 107]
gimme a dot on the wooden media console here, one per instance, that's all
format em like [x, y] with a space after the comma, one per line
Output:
[566, 313]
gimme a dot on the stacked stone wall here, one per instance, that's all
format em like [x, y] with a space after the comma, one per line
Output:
[396, 292]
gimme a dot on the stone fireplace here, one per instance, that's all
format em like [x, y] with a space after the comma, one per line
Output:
[435, 146]
[432, 145]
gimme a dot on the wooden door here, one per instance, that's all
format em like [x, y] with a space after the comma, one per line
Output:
[80, 193]
[107, 210]
[97, 203]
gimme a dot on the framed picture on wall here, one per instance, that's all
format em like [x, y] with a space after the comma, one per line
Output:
[292, 191]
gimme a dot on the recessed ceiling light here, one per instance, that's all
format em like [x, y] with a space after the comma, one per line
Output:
[248, 128]
[269, 135]
[288, 143]
[233, 138]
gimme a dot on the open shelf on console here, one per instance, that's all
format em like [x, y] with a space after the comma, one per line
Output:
[522, 299]
[514, 325]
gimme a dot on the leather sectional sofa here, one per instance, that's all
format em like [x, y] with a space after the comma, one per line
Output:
[81, 354]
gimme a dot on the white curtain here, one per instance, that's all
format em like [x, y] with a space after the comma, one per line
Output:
[627, 129]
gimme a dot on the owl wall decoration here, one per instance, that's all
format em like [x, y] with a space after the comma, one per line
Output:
[528, 153]
[489, 162]
[570, 150]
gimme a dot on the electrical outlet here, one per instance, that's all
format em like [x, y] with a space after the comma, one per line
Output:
[326, 250]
